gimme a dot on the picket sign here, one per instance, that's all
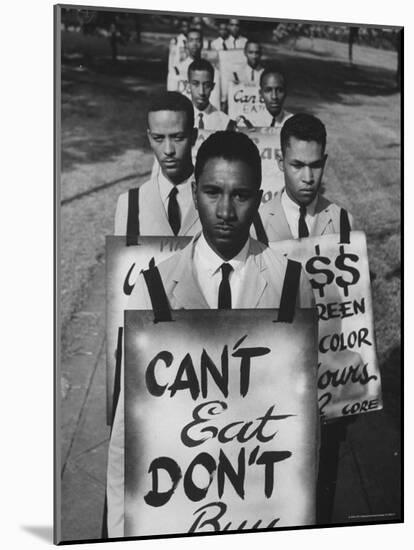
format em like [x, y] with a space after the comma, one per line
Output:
[230, 62]
[123, 265]
[220, 421]
[245, 100]
[349, 380]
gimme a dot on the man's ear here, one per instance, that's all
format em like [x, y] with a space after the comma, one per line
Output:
[279, 159]
[213, 86]
[325, 157]
[194, 192]
[149, 134]
[194, 134]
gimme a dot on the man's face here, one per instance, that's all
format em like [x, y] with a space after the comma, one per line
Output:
[223, 31]
[184, 27]
[253, 54]
[201, 86]
[273, 92]
[227, 198]
[171, 140]
[234, 27]
[194, 44]
[303, 164]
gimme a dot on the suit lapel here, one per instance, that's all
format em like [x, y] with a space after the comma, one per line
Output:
[323, 217]
[189, 220]
[187, 294]
[278, 221]
[156, 211]
[255, 282]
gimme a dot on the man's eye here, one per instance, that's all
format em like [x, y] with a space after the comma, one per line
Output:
[158, 139]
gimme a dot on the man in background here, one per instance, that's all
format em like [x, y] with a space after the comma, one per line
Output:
[163, 205]
[235, 39]
[219, 43]
[206, 116]
[300, 210]
[251, 72]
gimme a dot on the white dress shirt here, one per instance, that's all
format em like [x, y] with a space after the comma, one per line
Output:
[217, 43]
[291, 210]
[280, 119]
[184, 195]
[247, 75]
[207, 270]
[236, 43]
[212, 118]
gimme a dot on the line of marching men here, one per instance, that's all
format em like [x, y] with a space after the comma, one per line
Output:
[217, 200]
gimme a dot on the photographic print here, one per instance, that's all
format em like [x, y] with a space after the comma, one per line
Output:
[228, 225]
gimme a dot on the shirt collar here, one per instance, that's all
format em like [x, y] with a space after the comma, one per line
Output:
[293, 208]
[165, 185]
[208, 110]
[211, 261]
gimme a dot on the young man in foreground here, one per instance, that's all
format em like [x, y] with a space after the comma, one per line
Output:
[222, 267]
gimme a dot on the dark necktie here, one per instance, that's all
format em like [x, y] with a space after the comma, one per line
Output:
[234, 46]
[200, 121]
[174, 211]
[224, 294]
[224, 45]
[273, 121]
[252, 75]
[303, 228]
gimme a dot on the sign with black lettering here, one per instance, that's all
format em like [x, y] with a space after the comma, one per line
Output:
[349, 380]
[220, 421]
[245, 100]
[123, 265]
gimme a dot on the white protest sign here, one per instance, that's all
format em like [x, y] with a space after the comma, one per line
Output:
[349, 380]
[230, 62]
[123, 265]
[245, 100]
[220, 421]
[267, 141]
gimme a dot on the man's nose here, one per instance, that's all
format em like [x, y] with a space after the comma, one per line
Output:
[169, 148]
[307, 174]
[225, 208]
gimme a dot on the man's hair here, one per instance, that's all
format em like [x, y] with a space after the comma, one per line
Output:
[304, 127]
[201, 65]
[251, 41]
[199, 31]
[234, 146]
[273, 69]
[173, 101]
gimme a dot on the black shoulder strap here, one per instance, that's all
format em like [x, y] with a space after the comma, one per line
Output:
[260, 230]
[117, 378]
[177, 72]
[344, 227]
[289, 292]
[132, 229]
[231, 126]
[156, 290]
[236, 77]
[247, 122]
